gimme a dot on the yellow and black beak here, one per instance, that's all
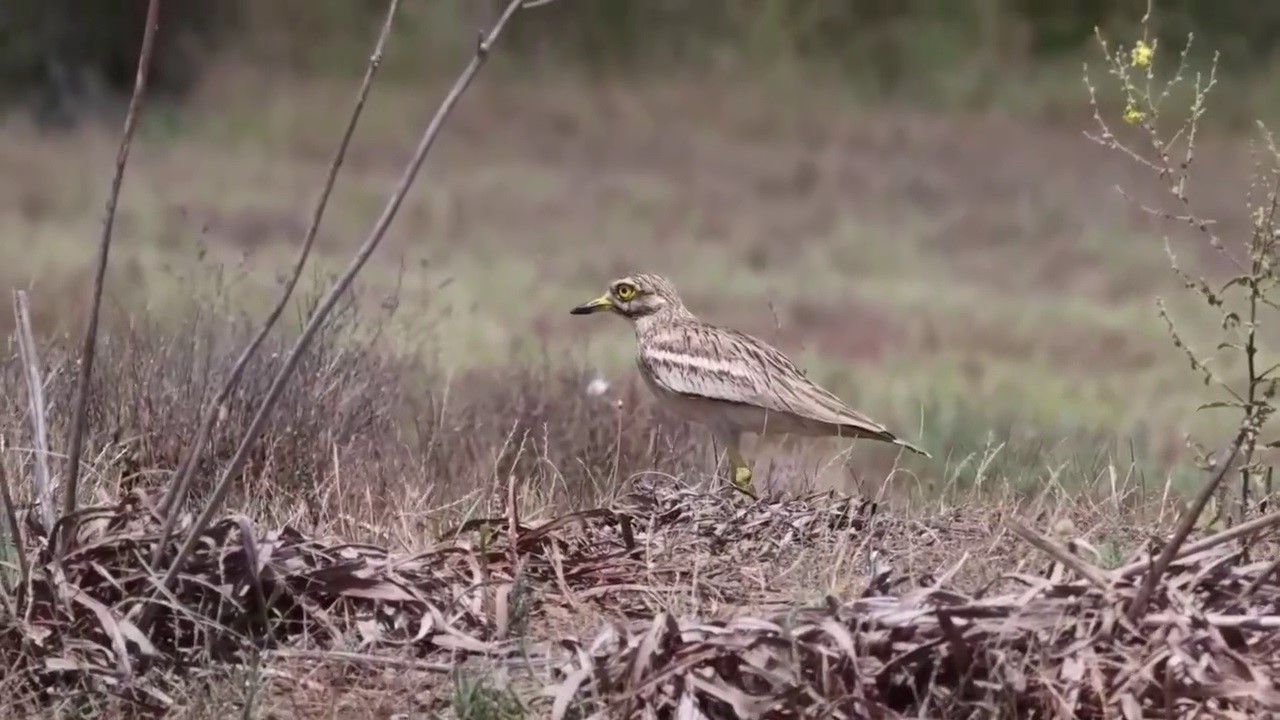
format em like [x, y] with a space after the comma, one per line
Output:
[604, 302]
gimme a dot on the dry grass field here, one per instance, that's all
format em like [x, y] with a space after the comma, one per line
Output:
[973, 280]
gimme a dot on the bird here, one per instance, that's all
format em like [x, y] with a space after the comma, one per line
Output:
[728, 381]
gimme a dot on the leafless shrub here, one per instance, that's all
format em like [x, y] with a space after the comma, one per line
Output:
[89, 344]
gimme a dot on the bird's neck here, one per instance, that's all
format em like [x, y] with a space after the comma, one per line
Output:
[664, 317]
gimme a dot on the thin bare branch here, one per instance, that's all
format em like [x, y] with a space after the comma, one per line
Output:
[180, 484]
[79, 418]
[1059, 553]
[1243, 530]
[1185, 525]
[367, 660]
[321, 314]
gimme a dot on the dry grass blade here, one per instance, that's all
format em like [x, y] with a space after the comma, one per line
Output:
[180, 485]
[35, 408]
[15, 532]
[322, 312]
[79, 417]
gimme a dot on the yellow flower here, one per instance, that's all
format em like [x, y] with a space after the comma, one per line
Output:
[1141, 54]
[1132, 114]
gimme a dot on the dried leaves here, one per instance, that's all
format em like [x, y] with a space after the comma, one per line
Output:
[1047, 647]
[242, 590]
[1057, 648]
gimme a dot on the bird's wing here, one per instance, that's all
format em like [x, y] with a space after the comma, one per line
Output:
[715, 363]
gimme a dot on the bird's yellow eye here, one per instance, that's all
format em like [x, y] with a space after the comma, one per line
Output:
[625, 291]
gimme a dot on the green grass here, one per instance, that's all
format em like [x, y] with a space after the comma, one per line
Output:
[958, 271]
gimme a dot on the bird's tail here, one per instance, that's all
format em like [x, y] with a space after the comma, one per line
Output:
[875, 432]
[909, 446]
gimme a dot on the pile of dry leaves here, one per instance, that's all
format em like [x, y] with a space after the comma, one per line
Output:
[74, 623]
[1206, 642]
[1061, 646]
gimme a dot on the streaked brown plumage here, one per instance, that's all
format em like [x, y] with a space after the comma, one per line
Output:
[728, 380]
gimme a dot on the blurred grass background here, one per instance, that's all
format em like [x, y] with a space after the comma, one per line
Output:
[898, 193]
[936, 52]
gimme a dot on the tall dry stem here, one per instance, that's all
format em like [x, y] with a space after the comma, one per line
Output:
[180, 483]
[79, 417]
[36, 409]
[320, 315]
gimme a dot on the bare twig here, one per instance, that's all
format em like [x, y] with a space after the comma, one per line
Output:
[180, 484]
[1262, 577]
[1184, 528]
[35, 408]
[364, 660]
[1253, 526]
[1059, 553]
[513, 525]
[401, 663]
[429, 136]
[79, 417]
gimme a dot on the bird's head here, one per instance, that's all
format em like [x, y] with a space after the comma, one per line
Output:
[635, 296]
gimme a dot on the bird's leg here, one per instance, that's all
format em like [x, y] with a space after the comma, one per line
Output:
[739, 471]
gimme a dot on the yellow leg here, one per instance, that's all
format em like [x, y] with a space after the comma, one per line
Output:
[740, 472]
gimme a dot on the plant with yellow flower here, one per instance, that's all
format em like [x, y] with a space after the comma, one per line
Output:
[1141, 55]
[1243, 302]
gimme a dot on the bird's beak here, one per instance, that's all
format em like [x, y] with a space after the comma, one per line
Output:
[601, 303]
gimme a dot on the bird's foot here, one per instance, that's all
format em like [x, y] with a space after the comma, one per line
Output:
[740, 473]
[742, 481]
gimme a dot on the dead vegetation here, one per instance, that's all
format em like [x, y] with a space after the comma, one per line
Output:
[1058, 643]
[74, 620]
[1062, 647]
